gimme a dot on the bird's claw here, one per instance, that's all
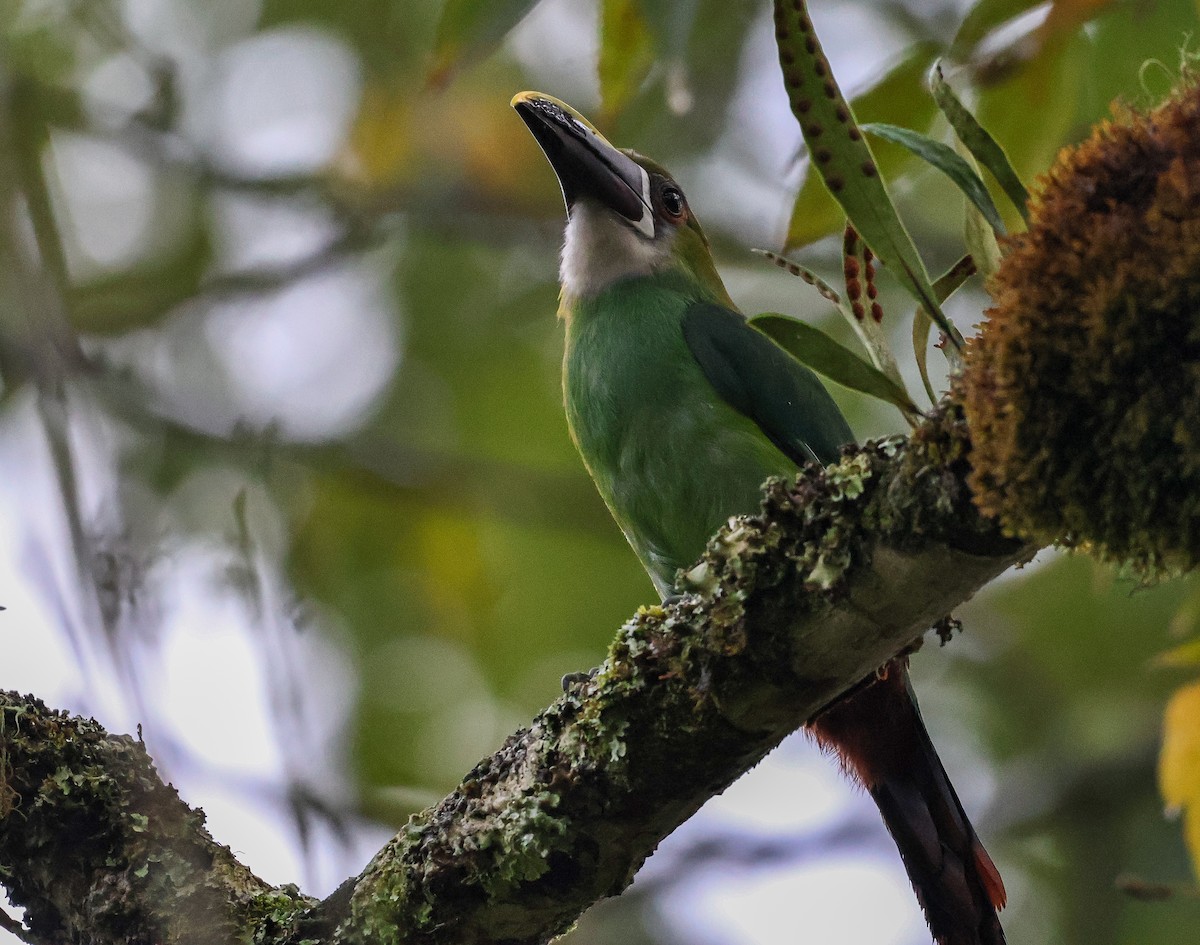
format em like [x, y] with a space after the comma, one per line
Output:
[571, 680]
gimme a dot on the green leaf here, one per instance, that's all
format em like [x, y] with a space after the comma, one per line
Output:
[813, 347]
[469, 30]
[1186, 656]
[983, 18]
[899, 97]
[627, 51]
[981, 241]
[946, 285]
[1035, 108]
[953, 278]
[920, 339]
[1123, 41]
[869, 332]
[943, 158]
[863, 313]
[983, 146]
[843, 158]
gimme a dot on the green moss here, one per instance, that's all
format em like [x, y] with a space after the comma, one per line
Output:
[522, 838]
[562, 814]
[1083, 390]
[275, 912]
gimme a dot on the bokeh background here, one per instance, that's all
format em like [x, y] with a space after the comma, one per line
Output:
[286, 481]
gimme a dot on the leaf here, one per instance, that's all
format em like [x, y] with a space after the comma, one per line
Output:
[1123, 41]
[898, 97]
[843, 158]
[1026, 43]
[1067, 15]
[813, 347]
[861, 309]
[469, 30]
[953, 278]
[982, 19]
[1035, 109]
[981, 241]
[627, 51]
[946, 285]
[1179, 763]
[1185, 655]
[869, 332]
[803, 272]
[943, 158]
[920, 339]
[982, 145]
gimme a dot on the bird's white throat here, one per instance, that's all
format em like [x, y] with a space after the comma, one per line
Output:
[600, 249]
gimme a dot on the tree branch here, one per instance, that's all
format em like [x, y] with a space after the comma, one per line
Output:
[98, 849]
[846, 567]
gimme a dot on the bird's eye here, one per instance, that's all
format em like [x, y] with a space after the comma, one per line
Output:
[672, 201]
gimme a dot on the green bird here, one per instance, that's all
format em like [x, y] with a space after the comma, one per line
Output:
[681, 410]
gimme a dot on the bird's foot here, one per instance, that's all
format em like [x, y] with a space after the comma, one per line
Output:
[571, 680]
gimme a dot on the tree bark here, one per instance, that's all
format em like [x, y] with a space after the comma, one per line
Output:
[845, 568]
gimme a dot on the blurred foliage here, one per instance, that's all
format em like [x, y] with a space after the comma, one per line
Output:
[1179, 763]
[277, 286]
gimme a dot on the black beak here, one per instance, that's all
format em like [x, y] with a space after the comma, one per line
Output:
[586, 164]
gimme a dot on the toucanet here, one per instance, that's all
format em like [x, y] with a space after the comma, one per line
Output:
[680, 410]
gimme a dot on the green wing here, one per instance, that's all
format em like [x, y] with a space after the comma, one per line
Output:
[766, 384]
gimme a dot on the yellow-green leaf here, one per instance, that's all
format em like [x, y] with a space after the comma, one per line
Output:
[1034, 109]
[1184, 655]
[979, 233]
[975, 137]
[899, 98]
[946, 285]
[469, 30]
[843, 158]
[627, 51]
[982, 19]
[1179, 764]
[869, 332]
[942, 157]
[813, 347]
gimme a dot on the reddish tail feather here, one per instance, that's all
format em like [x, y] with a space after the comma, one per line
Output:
[878, 734]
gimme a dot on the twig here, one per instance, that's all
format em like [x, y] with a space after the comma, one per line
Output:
[15, 927]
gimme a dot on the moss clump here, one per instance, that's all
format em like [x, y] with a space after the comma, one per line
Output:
[1082, 392]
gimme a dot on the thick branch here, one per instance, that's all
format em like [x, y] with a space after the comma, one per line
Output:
[845, 568]
[98, 849]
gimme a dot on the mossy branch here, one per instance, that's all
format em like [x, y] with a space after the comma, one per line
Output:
[98, 849]
[845, 568]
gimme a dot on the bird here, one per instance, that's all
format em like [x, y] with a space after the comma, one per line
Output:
[680, 410]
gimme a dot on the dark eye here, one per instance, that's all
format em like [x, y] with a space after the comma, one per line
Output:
[672, 200]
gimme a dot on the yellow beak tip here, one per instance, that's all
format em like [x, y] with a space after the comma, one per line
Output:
[531, 96]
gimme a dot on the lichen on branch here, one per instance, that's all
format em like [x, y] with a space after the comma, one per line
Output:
[96, 848]
[845, 567]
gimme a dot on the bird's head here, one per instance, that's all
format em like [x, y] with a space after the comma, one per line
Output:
[626, 215]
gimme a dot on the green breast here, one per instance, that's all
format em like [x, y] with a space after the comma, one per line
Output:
[672, 460]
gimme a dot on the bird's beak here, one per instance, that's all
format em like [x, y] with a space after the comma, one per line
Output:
[586, 164]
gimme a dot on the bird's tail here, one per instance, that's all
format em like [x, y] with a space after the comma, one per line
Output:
[878, 734]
